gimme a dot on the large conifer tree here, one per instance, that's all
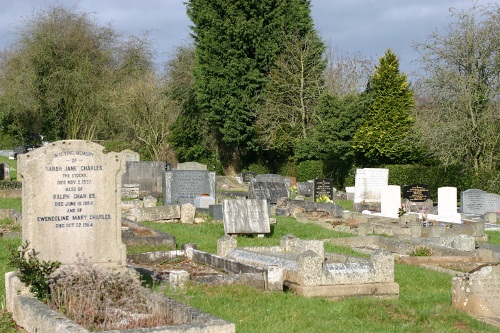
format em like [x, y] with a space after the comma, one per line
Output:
[385, 136]
[236, 43]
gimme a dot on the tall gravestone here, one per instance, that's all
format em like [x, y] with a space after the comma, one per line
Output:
[71, 202]
[183, 186]
[148, 174]
[368, 188]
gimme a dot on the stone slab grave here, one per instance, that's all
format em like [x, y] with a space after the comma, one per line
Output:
[148, 174]
[270, 187]
[308, 270]
[183, 186]
[35, 316]
[71, 202]
[323, 186]
[305, 188]
[4, 171]
[478, 291]
[368, 188]
[479, 202]
[246, 216]
[201, 267]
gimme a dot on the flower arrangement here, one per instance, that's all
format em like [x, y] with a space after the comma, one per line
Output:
[323, 198]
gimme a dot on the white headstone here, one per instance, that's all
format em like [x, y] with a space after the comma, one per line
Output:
[71, 202]
[447, 205]
[390, 200]
[369, 183]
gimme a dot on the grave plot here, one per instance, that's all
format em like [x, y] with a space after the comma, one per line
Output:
[190, 264]
[304, 267]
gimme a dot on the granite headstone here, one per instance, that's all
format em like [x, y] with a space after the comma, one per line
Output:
[183, 186]
[246, 216]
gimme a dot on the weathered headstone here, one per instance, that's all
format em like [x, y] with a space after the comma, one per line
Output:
[416, 192]
[71, 202]
[305, 188]
[478, 292]
[368, 184]
[249, 216]
[269, 187]
[323, 186]
[191, 166]
[183, 186]
[148, 174]
[248, 176]
[492, 203]
[472, 201]
[131, 156]
[4, 171]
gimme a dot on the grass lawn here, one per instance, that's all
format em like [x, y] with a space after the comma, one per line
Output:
[424, 304]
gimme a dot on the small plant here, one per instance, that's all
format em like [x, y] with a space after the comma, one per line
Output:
[323, 198]
[421, 251]
[401, 211]
[32, 272]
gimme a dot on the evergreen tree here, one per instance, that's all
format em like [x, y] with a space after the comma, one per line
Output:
[236, 45]
[385, 136]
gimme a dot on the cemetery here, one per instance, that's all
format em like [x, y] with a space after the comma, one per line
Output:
[97, 204]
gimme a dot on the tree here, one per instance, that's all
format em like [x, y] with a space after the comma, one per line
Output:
[58, 75]
[347, 74]
[458, 116]
[331, 139]
[292, 94]
[237, 43]
[190, 135]
[385, 136]
[148, 112]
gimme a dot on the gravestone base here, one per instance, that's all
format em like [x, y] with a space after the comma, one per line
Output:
[386, 290]
[365, 205]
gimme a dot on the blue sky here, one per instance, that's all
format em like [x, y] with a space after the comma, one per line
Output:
[366, 27]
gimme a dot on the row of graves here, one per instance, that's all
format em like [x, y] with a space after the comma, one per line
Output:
[72, 207]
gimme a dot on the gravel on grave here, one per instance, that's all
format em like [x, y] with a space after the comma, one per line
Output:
[181, 263]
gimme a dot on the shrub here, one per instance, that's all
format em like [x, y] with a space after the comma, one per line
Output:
[32, 272]
[288, 169]
[421, 251]
[259, 169]
[310, 169]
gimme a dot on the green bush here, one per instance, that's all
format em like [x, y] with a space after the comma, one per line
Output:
[32, 272]
[311, 169]
[259, 169]
[288, 169]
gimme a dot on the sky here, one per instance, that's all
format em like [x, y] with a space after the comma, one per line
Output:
[363, 27]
